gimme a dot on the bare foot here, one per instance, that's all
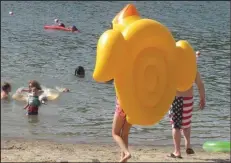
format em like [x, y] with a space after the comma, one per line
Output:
[126, 157]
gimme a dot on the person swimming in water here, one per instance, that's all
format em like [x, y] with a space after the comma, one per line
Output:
[74, 29]
[80, 72]
[57, 22]
[6, 89]
[62, 25]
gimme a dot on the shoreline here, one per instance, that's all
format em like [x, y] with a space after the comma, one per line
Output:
[161, 143]
[21, 150]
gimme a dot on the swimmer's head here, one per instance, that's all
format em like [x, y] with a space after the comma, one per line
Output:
[66, 90]
[73, 28]
[34, 83]
[34, 91]
[6, 87]
[61, 25]
[11, 13]
[198, 53]
[80, 72]
[56, 20]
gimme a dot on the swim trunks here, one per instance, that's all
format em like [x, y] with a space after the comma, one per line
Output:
[118, 110]
[32, 113]
[181, 112]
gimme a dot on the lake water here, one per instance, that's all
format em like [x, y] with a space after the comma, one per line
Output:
[85, 114]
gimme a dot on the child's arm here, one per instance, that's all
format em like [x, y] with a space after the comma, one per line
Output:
[26, 106]
[25, 90]
[201, 88]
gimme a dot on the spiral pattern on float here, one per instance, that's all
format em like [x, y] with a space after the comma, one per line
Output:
[141, 56]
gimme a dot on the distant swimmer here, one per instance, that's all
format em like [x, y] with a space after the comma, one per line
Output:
[80, 72]
[56, 21]
[11, 13]
[198, 53]
[66, 90]
[73, 28]
[6, 89]
[61, 25]
[62, 89]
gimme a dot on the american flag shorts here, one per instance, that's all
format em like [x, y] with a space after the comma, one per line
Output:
[181, 112]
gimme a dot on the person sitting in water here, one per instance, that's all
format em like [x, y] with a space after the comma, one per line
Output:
[6, 89]
[80, 72]
[61, 25]
[33, 102]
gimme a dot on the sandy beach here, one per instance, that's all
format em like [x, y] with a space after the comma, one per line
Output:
[19, 150]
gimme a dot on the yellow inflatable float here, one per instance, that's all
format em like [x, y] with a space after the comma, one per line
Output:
[186, 65]
[140, 55]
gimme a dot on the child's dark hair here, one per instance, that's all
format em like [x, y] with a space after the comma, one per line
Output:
[5, 86]
[79, 71]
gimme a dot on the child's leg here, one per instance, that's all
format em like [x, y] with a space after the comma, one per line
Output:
[176, 140]
[176, 120]
[117, 126]
[187, 135]
[187, 116]
[125, 134]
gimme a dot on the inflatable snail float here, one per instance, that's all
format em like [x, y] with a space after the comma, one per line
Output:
[146, 64]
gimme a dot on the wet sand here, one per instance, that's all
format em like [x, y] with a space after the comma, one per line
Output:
[19, 150]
